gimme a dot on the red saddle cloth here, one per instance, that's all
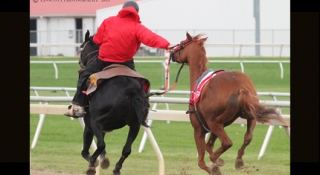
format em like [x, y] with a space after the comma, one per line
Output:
[201, 81]
[112, 71]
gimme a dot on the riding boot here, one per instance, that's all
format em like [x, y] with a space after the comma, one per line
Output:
[75, 111]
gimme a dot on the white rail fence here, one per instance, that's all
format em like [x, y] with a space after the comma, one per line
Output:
[166, 115]
[163, 63]
[43, 46]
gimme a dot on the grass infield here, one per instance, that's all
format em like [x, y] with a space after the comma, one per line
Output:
[60, 142]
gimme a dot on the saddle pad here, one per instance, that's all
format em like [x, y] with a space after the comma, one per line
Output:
[112, 71]
[201, 81]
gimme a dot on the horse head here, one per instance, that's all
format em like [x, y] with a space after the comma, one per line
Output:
[88, 50]
[181, 51]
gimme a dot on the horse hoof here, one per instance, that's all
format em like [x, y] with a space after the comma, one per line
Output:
[117, 173]
[96, 163]
[215, 170]
[105, 163]
[91, 171]
[239, 164]
[220, 162]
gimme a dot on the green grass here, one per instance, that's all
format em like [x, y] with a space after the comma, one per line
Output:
[60, 142]
[266, 76]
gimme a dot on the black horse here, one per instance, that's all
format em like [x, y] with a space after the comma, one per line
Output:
[117, 102]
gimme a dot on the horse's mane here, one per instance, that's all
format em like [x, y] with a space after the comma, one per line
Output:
[203, 60]
[199, 36]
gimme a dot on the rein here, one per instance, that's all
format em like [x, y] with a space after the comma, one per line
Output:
[82, 65]
[176, 48]
[174, 85]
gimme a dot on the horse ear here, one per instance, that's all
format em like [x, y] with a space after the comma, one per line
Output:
[202, 40]
[189, 36]
[86, 38]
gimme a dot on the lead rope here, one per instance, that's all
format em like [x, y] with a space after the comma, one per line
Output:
[174, 85]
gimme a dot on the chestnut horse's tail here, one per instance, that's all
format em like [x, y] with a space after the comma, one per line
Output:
[250, 103]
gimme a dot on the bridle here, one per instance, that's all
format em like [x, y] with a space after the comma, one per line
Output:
[179, 47]
[176, 48]
[82, 65]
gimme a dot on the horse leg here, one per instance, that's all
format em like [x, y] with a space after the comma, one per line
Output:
[105, 163]
[87, 136]
[126, 151]
[209, 148]
[98, 131]
[199, 137]
[251, 123]
[87, 140]
[226, 143]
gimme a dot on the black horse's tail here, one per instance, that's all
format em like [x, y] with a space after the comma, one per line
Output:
[141, 106]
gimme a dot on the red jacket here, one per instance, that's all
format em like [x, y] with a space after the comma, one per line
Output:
[120, 37]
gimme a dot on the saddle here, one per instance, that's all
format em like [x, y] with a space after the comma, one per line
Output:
[199, 84]
[112, 71]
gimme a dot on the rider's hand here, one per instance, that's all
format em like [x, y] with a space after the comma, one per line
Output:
[170, 49]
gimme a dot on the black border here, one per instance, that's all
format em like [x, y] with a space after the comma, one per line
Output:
[14, 66]
[304, 88]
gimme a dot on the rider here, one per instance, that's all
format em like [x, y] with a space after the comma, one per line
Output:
[119, 38]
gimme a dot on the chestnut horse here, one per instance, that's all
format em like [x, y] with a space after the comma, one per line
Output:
[224, 98]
